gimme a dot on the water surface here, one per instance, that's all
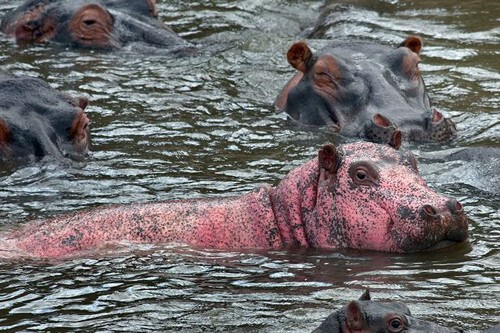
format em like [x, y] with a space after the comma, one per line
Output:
[204, 126]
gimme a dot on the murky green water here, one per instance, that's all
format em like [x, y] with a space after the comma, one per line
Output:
[204, 126]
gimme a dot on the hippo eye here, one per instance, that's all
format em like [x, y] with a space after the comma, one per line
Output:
[363, 173]
[396, 325]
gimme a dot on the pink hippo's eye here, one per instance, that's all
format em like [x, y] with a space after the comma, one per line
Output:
[363, 173]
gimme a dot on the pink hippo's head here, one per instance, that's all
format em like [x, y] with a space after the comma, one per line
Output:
[371, 196]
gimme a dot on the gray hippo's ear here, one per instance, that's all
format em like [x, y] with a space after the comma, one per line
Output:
[329, 158]
[414, 43]
[299, 56]
[4, 134]
[396, 139]
[354, 316]
[365, 296]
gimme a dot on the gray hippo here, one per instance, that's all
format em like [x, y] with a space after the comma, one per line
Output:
[104, 24]
[494, 329]
[36, 120]
[369, 316]
[361, 195]
[363, 89]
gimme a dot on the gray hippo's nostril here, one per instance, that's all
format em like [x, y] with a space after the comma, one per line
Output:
[436, 116]
[454, 206]
[429, 210]
[89, 22]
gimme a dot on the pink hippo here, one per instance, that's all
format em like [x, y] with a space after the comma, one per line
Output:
[361, 195]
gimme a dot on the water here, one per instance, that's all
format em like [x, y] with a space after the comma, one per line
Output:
[204, 126]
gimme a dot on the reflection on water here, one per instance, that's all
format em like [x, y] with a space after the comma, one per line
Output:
[168, 128]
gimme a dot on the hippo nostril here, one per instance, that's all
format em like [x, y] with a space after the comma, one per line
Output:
[436, 116]
[89, 22]
[429, 210]
[381, 121]
[454, 206]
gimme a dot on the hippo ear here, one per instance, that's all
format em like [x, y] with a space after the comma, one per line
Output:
[329, 158]
[299, 56]
[414, 43]
[79, 132]
[83, 102]
[396, 139]
[366, 295]
[4, 133]
[354, 316]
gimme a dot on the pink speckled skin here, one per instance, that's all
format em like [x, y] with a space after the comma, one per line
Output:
[360, 195]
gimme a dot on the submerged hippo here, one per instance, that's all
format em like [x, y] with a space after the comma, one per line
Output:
[362, 195]
[103, 24]
[37, 120]
[367, 316]
[363, 89]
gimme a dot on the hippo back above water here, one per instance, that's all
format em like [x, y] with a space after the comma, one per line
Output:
[362, 196]
[104, 24]
[36, 120]
[367, 316]
[362, 89]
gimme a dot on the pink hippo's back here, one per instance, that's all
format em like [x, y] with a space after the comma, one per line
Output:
[244, 222]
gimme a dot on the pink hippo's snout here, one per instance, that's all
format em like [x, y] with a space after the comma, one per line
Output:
[435, 225]
[450, 219]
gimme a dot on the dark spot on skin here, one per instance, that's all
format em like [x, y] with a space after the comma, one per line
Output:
[406, 213]
[73, 240]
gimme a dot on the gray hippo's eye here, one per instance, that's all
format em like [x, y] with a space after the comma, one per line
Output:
[396, 325]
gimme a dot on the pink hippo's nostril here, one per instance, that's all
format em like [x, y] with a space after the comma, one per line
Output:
[429, 211]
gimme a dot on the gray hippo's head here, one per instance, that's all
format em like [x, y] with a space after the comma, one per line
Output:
[367, 316]
[364, 90]
[103, 24]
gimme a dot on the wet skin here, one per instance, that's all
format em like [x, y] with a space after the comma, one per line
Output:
[361, 195]
[363, 90]
[36, 120]
[106, 24]
[367, 316]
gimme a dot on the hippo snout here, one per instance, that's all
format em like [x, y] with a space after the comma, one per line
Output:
[440, 128]
[450, 217]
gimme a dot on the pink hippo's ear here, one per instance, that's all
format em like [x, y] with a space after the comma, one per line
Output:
[329, 158]
[354, 316]
[299, 56]
[414, 43]
[396, 139]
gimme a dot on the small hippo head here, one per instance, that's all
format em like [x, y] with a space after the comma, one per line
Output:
[371, 196]
[104, 24]
[367, 316]
[36, 120]
[364, 90]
